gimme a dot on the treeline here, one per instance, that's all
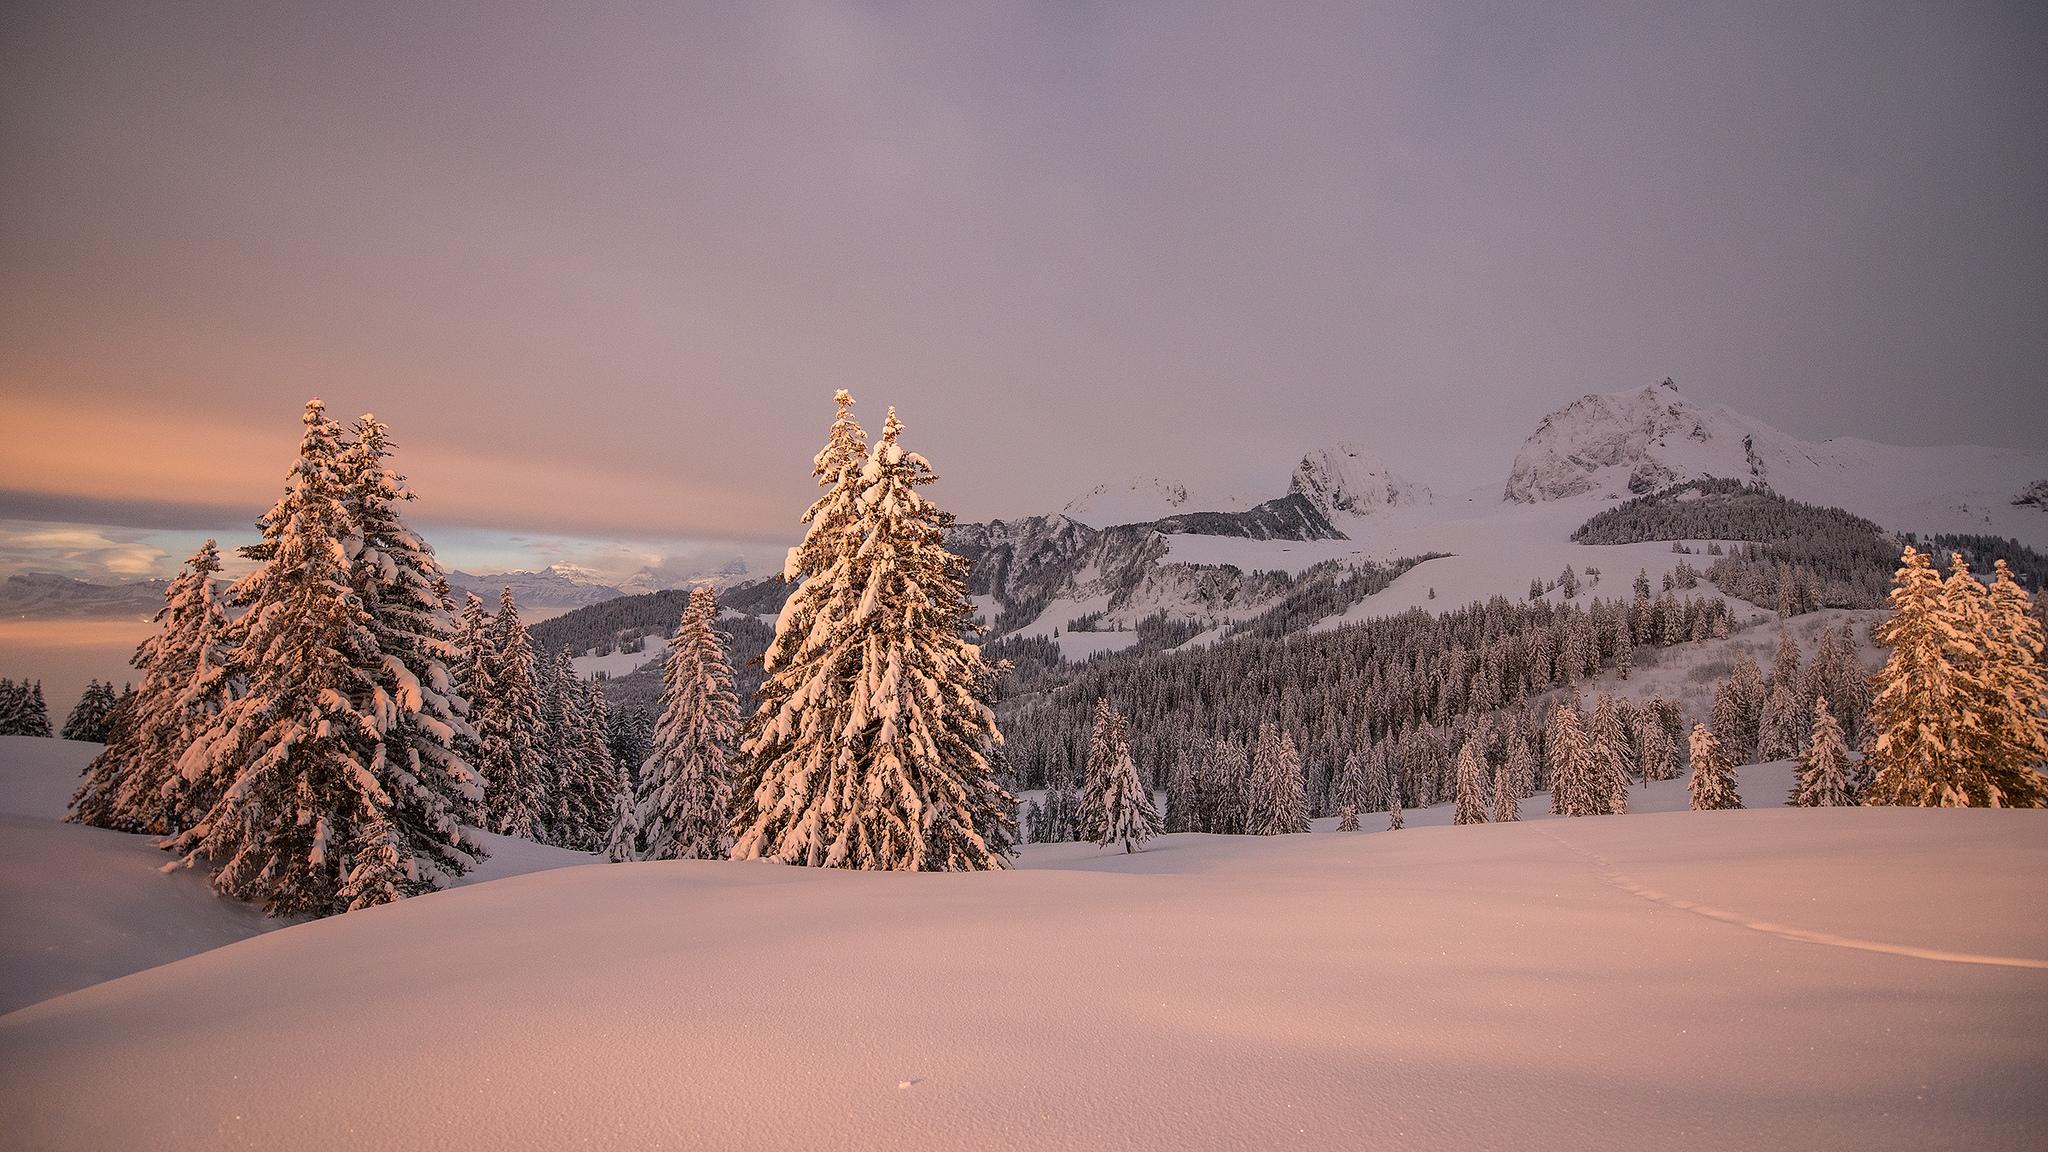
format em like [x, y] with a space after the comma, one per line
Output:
[1801, 557]
[1983, 553]
[1416, 686]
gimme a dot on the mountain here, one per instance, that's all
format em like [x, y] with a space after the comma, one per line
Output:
[1623, 444]
[46, 594]
[1143, 499]
[1343, 480]
[553, 587]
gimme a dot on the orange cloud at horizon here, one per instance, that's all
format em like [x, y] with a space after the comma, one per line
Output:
[108, 453]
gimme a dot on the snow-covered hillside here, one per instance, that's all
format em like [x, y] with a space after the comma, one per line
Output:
[84, 905]
[1629, 443]
[1796, 979]
[1346, 481]
[46, 595]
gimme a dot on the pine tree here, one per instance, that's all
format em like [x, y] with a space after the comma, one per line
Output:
[1274, 803]
[87, 721]
[1943, 733]
[511, 730]
[299, 817]
[1347, 818]
[134, 785]
[1574, 787]
[586, 783]
[1472, 797]
[1226, 788]
[1115, 802]
[1713, 781]
[1506, 806]
[1181, 788]
[418, 710]
[1787, 711]
[1823, 779]
[1610, 756]
[1738, 711]
[683, 807]
[1393, 807]
[870, 746]
[2014, 688]
[474, 657]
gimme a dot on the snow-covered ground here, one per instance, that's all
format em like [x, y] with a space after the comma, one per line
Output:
[81, 905]
[1859, 978]
[621, 663]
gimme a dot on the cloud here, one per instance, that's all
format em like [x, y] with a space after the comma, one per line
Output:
[99, 555]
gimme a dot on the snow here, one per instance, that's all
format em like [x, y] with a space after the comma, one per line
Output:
[1143, 499]
[1345, 480]
[621, 663]
[85, 905]
[1809, 979]
[1599, 443]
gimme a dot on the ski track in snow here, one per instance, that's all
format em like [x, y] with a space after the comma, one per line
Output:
[1606, 871]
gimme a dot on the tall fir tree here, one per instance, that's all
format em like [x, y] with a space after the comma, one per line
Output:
[90, 718]
[870, 747]
[1738, 711]
[1472, 798]
[420, 715]
[511, 730]
[1611, 746]
[1116, 805]
[1823, 780]
[298, 817]
[474, 657]
[1788, 710]
[1713, 781]
[1575, 788]
[1225, 789]
[1393, 805]
[2013, 685]
[682, 810]
[135, 786]
[1274, 803]
[1944, 733]
[1181, 785]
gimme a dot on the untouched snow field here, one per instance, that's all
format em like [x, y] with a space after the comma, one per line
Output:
[1844, 978]
[81, 905]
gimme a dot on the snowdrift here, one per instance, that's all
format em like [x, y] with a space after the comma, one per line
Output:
[1756, 979]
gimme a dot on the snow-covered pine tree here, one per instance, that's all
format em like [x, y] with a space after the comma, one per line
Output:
[510, 728]
[1117, 805]
[1520, 766]
[474, 657]
[1472, 797]
[870, 745]
[1738, 711]
[1181, 785]
[89, 717]
[300, 819]
[1226, 788]
[1823, 780]
[417, 707]
[1274, 803]
[586, 793]
[1713, 781]
[1659, 758]
[2016, 679]
[1393, 805]
[134, 786]
[683, 807]
[1612, 748]
[1574, 786]
[606, 783]
[1347, 818]
[23, 711]
[1941, 737]
[1788, 710]
[1506, 807]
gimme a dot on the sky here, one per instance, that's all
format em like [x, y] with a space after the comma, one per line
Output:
[601, 267]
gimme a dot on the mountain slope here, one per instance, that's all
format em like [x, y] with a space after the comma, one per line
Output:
[1631, 443]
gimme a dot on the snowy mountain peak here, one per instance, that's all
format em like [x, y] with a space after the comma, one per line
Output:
[1143, 499]
[1628, 443]
[1346, 479]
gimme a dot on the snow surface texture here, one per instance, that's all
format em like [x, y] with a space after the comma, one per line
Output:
[1629, 443]
[1810, 979]
[82, 905]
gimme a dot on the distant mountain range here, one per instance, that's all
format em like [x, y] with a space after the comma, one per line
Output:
[48, 595]
[565, 586]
